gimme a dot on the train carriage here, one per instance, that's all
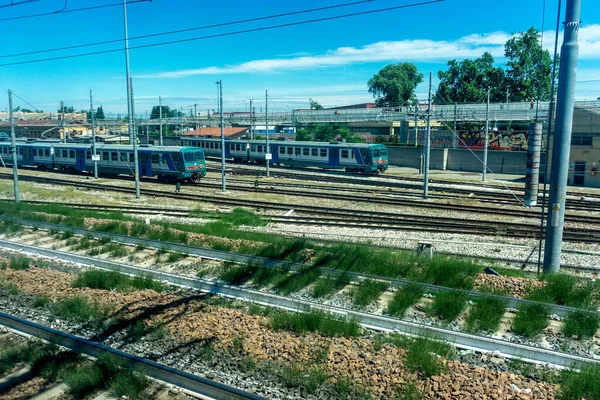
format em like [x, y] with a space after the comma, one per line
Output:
[358, 157]
[170, 162]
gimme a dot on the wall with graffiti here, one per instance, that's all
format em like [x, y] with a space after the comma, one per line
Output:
[499, 140]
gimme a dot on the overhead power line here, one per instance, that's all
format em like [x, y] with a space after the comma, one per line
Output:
[193, 29]
[64, 11]
[266, 28]
[18, 3]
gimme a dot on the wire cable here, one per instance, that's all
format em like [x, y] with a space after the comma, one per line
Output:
[63, 11]
[192, 29]
[12, 3]
[26, 102]
[216, 35]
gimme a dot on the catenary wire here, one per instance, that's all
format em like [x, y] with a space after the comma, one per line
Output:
[12, 3]
[26, 102]
[191, 29]
[266, 28]
[63, 11]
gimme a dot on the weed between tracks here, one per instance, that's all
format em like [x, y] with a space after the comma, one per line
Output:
[582, 324]
[486, 314]
[531, 319]
[449, 304]
[114, 280]
[327, 286]
[567, 290]
[404, 298]
[314, 321]
[581, 385]
[16, 263]
[368, 291]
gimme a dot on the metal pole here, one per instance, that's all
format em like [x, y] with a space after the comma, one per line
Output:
[136, 168]
[13, 149]
[160, 140]
[487, 138]
[455, 136]
[62, 123]
[427, 144]
[196, 117]
[417, 126]
[562, 137]
[93, 138]
[251, 122]
[548, 134]
[147, 136]
[268, 152]
[132, 138]
[223, 182]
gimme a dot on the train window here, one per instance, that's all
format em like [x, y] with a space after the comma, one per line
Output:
[323, 152]
[259, 149]
[344, 153]
[290, 150]
[114, 156]
[189, 156]
[105, 155]
[383, 152]
[282, 150]
[351, 154]
[155, 158]
[199, 156]
[297, 151]
[305, 151]
[88, 155]
[71, 153]
[375, 152]
[253, 148]
[314, 152]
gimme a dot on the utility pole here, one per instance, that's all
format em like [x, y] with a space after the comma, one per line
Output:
[13, 149]
[160, 139]
[132, 138]
[196, 117]
[268, 152]
[251, 122]
[223, 182]
[63, 139]
[562, 137]
[507, 95]
[427, 144]
[455, 136]
[93, 138]
[136, 168]
[147, 136]
[417, 125]
[486, 139]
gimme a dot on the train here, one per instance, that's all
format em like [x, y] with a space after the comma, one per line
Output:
[353, 157]
[180, 164]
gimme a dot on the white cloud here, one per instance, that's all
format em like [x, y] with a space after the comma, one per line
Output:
[404, 50]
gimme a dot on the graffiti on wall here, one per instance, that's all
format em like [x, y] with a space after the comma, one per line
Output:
[507, 141]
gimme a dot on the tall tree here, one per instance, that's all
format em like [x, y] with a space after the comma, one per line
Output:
[68, 109]
[100, 113]
[327, 133]
[314, 105]
[395, 84]
[529, 67]
[166, 112]
[467, 81]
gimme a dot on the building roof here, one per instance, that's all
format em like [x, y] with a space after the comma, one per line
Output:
[216, 131]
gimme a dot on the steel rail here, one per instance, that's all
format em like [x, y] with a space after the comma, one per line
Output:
[150, 368]
[312, 209]
[252, 260]
[373, 321]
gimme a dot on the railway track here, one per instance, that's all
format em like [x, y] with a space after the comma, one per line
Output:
[443, 224]
[373, 321]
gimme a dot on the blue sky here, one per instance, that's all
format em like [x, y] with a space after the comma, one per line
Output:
[329, 61]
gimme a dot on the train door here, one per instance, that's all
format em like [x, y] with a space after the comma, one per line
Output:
[274, 153]
[145, 160]
[247, 152]
[28, 158]
[80, 159]
[227, 150]
[579, 173]
[334, 157]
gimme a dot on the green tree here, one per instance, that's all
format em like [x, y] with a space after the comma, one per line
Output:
[528, 68]
[314, 105]
[100, 113]
[68, 109]
[26, 110]
[467, 81]
[327, 133]
[166, 112]
[395, 84]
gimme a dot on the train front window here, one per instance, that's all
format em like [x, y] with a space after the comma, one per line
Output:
[199, 156]
[375, 153]
[188, 156]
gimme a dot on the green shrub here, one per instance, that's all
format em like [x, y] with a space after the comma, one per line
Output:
[237, 274]
[581, 385]
[405, 297]
[265, 276]
[19, 263]
[409, 392]
[68, 234]
[285, 249]
[486, 314]
[326, 286]
[314, 321]
[581, 323]
[368, 291]
[422, 356]
[174, 257]
[448, 304]
[297, 281]
[79, 309]
[84, 380]
[449, 272]
[131, 385]
[240, 216]
[311, 379]
[566, 290]
[41, 301]
[11, 289]
[531, 319]
[113, 280]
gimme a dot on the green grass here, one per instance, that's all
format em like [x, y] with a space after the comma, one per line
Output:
[581, 385]
[422, 356]
[240, 216]
[131, 385]
[368, 291]
[11, 356]
[486, 314]
[449, 304]
[310, 378]
[79, 309]
[327, 286]
[314, 321]
[84, 244]
[237, 274]
[265, 276]
[409, 392]
[286, 249]
[297, 281]
[65, 235]
[113, 280]
[405, 297]
[115, 250]
[18, 263]
[10, 228]
[174, 257]
[581, 324]
[443, 271]
[11, 289]
[41, 301]
[84, 380]
[531, 319]
[567, 290]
